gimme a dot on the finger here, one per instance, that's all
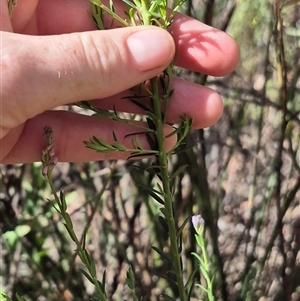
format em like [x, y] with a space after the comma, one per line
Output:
[24, 17]
[200, 48]
[202, 104]
[45, 72]
[69, 132]
[5, 23]
[203, 48]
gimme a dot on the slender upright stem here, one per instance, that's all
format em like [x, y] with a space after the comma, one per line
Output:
[80, 250]
[169, 212]
[146, 17]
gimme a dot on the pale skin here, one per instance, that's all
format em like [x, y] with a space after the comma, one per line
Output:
[51, 56]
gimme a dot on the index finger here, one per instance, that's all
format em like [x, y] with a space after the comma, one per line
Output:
[202, 48]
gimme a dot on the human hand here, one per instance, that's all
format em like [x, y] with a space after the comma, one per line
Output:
[51, 56]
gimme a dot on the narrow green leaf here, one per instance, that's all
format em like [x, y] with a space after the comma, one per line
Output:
[130, 278]
[53, 204]
[164, 211]
[104, 277]
[138, 133]
[204, 272]
[177, 172]
[137, 143]
[196, 255]
[137, 96]
[71, 233]
[182, 226]
[131, 16]
[136, 155]
[82, 257]
[103, 143]
[191, 281]
[202, 287]
[129, 3]
[162, 254]
[63, 201]
[163, 84]
[97, 16]
[89, 278]
[102, 287]
[153, 169]
[151, 115]
[140, 105]
[160, 188]
[119, 146]
[200, 241]
[111, 5]
[154, 193]
[174, 132]
[190, 291]
[151, 124]
[152, 142]
[92, 267]
[68, 221]
[164, 224]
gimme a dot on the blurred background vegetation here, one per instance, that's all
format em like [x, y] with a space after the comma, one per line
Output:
[243, 177]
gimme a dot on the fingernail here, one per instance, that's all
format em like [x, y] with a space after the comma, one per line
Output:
[150, 49]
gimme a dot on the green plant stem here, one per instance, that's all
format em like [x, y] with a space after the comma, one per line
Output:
[144, 12]
[163, 162]
[80, 250]
[209, 281]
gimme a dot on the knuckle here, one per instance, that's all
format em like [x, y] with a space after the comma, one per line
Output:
[101, 55]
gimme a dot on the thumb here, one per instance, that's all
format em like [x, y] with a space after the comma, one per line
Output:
[40, 73]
